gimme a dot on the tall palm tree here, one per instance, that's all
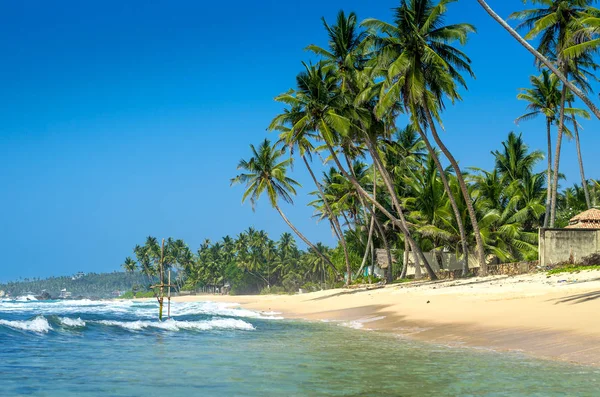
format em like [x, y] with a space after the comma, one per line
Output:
[541, 58]
[544, 99]
[554, 23]
[422, 67]
[266, 172]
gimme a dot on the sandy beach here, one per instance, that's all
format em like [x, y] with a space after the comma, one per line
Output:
[553, 317]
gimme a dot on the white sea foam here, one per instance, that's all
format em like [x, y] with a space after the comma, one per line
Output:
[72, 322]
[126, 308]
[175, 325]
[38, 324]
[360, 324]
[219, 309]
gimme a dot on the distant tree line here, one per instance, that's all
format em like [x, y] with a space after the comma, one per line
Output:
[91, 285]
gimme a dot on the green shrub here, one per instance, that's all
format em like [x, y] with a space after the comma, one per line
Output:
[274, 290]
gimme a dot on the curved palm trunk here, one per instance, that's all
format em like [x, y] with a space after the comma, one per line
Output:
[390, 186]
[548, 172]
[584, 184]
[311, 245]
[372, 223]
[398, 222]
[332, 217]
[459, 222]
[464, 190]
[561, 124]
[541, 58]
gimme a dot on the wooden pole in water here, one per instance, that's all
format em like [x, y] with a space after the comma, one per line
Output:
[162, 278]
[169, 296]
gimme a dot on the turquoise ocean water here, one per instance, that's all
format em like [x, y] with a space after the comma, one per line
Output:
[88, 348]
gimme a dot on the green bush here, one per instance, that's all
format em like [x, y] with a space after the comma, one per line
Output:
[274, 290]
[365, 280]
[311, 287]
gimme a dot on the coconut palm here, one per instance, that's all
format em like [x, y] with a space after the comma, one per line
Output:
[129, 265]
[541, 58]
[422, 67]
[544, 99]
[301, 139]
[266, 172]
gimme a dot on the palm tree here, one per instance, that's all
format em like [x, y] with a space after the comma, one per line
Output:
[541, 58]
[555, 24]
[129, 265]
[422, 66]
[544, 99]
[302, 140]
[266, 173]
[345, 47]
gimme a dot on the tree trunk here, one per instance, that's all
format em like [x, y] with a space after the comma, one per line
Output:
[541, 58]
[372, 225]
[332, 217]
[387, 249]
[399, 222]
[548, 172]
[561, 124]
[465, 192]
[459, 222]
[584, 184]
[311, 245]
[405, 260]
[390, 186]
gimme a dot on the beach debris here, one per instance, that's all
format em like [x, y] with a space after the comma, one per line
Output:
[428, 301]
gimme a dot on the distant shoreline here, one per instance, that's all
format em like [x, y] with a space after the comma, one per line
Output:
[551, 317]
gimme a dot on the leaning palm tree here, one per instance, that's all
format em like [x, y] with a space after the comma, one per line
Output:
[266, 172]
[541, 58]
[323, 110]
[301, 140]
[422, 68]
[554, 24]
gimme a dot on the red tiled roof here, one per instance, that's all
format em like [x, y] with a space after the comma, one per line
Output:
[589, 215]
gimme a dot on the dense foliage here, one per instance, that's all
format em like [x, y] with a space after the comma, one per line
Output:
[369, 109]
[91, 285]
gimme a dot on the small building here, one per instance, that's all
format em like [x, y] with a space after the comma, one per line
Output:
[589, 219]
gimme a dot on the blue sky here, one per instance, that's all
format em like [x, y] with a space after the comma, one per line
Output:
[120, 120]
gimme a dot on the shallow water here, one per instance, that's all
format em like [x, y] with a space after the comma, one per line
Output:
[84, 348]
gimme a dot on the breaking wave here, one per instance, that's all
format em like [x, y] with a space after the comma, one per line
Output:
[175, 325]
[38, 325]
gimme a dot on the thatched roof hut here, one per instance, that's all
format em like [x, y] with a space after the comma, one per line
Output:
[589, 219]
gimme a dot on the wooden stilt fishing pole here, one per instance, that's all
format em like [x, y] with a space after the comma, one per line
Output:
[162, 285]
